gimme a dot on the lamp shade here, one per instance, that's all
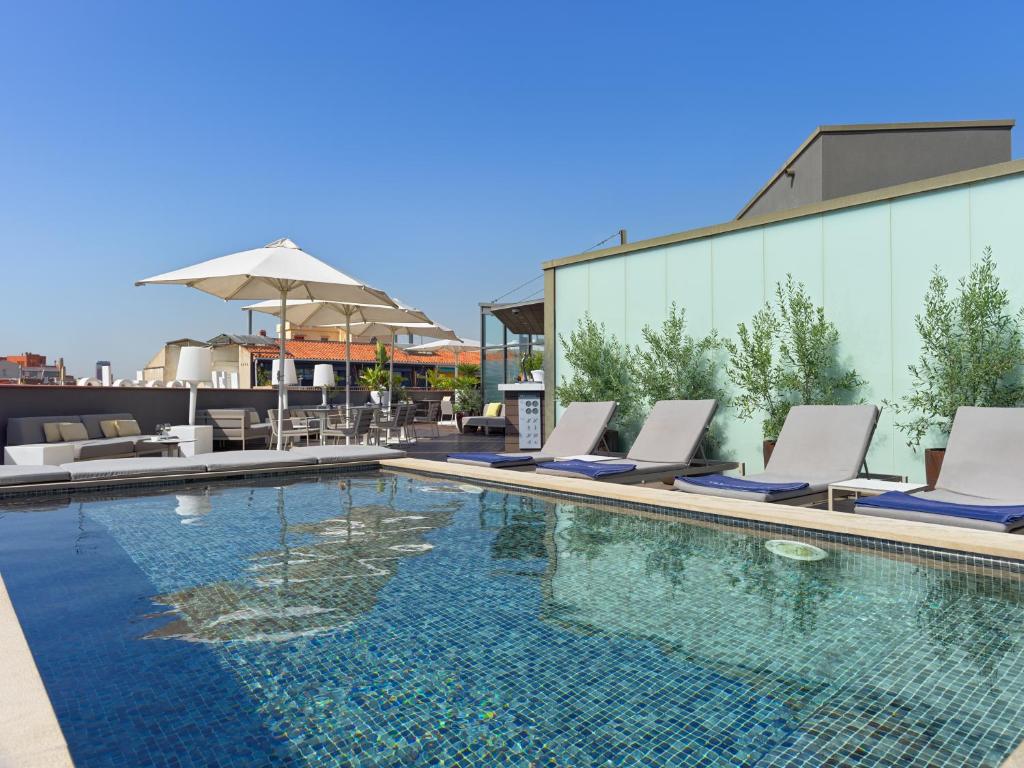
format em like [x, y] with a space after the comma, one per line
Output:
[323, 375]
[290, 379]
[195, 364]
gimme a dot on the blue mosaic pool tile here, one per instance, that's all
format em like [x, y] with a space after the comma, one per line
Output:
[384, 620]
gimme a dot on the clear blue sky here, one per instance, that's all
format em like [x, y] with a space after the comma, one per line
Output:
[438, 150]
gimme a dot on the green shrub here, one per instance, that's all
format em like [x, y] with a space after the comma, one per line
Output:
[600, 371]
[675, 366]
[787, 357]
[971, 352]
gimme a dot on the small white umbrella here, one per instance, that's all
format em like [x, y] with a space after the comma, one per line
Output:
[326, 313]
[279, 269]
[456, 344]
[369, 331]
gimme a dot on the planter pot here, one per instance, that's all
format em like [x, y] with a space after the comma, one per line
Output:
[933, 464]
[766, 450]
[458, 420]
[381, 397]
[538, 376]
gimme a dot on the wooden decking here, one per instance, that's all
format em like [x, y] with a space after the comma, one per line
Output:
[450, 441]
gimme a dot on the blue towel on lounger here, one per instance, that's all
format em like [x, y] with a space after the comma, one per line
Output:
[728, 483]
[907, 502]
[494, 459]
[594, 469]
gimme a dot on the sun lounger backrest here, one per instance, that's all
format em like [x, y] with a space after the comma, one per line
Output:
[820, 440]
[579, 429]
[985, 453]
[673, 431]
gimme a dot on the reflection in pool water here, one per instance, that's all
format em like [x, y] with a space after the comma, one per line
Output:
[370, 621]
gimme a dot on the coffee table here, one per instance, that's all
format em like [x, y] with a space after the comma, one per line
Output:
[169, 446]
[864, 486]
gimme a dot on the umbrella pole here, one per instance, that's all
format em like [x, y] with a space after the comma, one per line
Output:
[281, 397]
[391, 371]
[348, 362]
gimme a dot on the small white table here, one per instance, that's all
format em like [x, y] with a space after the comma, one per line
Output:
[193, 440]
[863, 486]
[39, 454]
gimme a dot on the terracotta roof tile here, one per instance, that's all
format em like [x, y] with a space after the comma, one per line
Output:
[334, 351]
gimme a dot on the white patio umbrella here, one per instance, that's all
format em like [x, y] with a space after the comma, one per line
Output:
[279, 270]
[457, 344]
[369, 331]
[340, 314]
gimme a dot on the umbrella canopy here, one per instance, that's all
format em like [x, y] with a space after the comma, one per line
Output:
[367, 331]
[345, 314]
[279, 270]
[323, 313]
[456, 343]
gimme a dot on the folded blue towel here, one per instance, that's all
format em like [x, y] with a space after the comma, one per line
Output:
[907, 502]
[728, 483]
[494, 459]
[593, 469]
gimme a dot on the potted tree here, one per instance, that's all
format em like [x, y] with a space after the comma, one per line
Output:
[468, 398]
[600, 371]
[675, 366]
[971, 354]
[788, 356]
[531, 366]
[375, 379]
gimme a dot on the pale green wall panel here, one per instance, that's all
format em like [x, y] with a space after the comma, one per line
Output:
[997, 219]
[858, 300]
[927, 230]
[608, 294]
[572, 299]
[688, 283]
[737, 261]
[645, 293]
[794, 248]
[868, 265]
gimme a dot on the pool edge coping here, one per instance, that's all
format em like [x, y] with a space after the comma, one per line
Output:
[1003, 546]
[30, 734]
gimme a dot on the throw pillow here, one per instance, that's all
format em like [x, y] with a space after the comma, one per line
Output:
[70, 430]
[128, 428]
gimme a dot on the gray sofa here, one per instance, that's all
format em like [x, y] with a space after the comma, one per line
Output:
[28, 430]
[236, 425]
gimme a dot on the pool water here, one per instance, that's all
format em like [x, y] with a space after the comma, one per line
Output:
[385, 620]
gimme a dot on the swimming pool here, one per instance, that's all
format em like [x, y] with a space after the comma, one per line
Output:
[389, 620]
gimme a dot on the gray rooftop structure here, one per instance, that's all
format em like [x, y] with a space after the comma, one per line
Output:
[840, 160]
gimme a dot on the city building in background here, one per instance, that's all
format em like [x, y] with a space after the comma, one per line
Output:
[248, 359]
[32, 368]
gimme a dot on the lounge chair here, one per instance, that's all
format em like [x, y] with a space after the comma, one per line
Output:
[818, 445]
[667, 444]
[578, 431]
[981, 484]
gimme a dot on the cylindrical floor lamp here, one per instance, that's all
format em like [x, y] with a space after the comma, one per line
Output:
[323, 377]
[195, 365]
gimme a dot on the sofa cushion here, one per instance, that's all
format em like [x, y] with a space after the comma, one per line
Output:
[92, 422]
[28, 430]
[109, 428]
[98, 449]
[51, 430]
[71, 431]
[334, 454]
[110, 469]
[231, 460]
[17, 474]
[127, 428]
